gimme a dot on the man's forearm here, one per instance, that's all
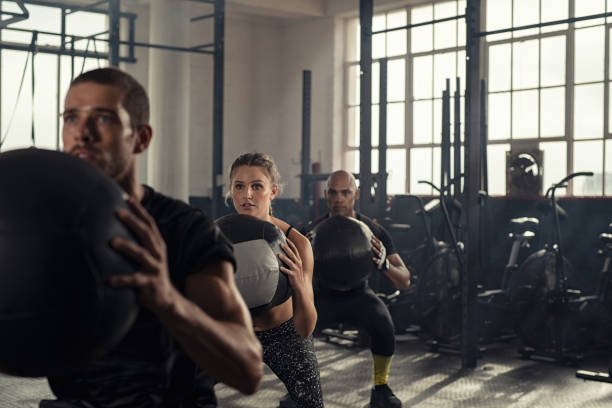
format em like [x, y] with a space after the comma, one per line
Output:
[228, 350]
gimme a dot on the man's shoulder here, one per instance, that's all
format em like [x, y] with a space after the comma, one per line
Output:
[312, 224]
[367, 220]
[168, 210]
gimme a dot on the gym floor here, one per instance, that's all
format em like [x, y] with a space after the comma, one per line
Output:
[419, 377]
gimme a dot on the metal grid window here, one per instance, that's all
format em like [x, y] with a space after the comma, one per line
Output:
[548, 88]
[419, 62]
[20, 108]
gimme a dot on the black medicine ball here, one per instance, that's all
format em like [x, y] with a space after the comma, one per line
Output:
[57, 217]
[342, 253]
[256, 248]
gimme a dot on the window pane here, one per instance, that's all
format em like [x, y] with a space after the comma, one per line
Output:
[375, 126]
[499, 15]
[445, 9]
[437, 165]
[588, 156]
[41, 18]
[589, 62]
[610, 50]
[420, 169]
[396, 43]
[553, 61]
[20, 110]
[378, 46]
[378, 22]
[84, 23]
[396, 167]
[525, 114]
[375, 82]
[554, 166]
[86, 64]
[421, 122]
[445, 34]
[608, 163]
[353, 85]
[552, 112]
[437, 120]
[588, 111]
[496, 168]
[526, 12]
[396, 80]
[525, 64]
[554, 10]
[395, 123]
[45, 101]
[352, 161]
[352, 39]
[460, 72]
[422, 77]
[421, 37]
[461, 24]
[499, 67]
[499, 116]
[589, 7]
[396, 19]
[353, 126]
[444, 68]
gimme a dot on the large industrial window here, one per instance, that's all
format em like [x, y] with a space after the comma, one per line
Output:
[419, 62]
[548, 89]
[24, 110]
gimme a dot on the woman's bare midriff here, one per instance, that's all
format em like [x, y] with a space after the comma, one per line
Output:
[274, 317]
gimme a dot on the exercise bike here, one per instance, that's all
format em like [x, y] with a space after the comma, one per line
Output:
[604, 296]
[546, 298]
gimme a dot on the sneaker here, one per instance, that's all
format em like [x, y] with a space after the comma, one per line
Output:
[383, 397]
[286, 402]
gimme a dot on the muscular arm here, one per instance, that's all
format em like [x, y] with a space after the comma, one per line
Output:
[398, 273]
[304, 312]
[220, 340]
[211, 321]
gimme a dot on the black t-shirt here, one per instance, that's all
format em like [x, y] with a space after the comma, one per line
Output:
[144, 369]
[378, 231]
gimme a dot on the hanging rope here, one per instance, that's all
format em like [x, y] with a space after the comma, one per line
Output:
[85, 56]
[21, 82]
[32, 66]
[96, 52]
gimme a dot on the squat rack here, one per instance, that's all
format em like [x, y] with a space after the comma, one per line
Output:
[115, 16]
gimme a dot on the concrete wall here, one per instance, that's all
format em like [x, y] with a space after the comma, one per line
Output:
[264, 60]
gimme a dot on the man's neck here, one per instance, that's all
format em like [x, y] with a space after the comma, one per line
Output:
[132, 187]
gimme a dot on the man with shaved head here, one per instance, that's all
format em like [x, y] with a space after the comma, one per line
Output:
[360, 306]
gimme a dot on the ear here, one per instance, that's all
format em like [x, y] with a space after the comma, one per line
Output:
[357, 194]
[274, 192]
[144, 134]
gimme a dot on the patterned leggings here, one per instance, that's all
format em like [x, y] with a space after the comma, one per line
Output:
[294, 362]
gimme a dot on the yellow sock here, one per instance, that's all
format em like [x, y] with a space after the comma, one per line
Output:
[382, 365]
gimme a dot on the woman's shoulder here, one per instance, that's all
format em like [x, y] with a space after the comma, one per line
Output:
[292, 233]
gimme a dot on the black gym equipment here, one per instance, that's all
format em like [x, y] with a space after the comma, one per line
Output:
[547, 300]
[257, 245]
[604, 298]
[438, 286]
[342, 253]
[58, 215]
